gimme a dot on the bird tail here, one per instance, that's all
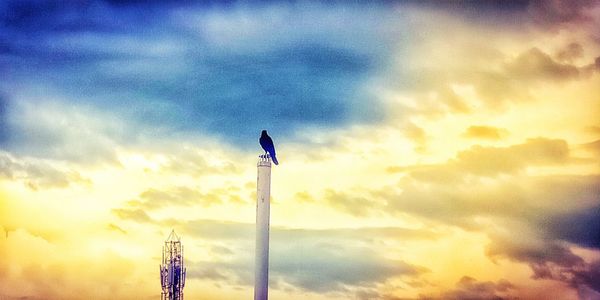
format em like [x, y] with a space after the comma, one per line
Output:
[275, 160]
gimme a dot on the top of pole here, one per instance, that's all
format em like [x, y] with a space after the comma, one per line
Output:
[264, 160]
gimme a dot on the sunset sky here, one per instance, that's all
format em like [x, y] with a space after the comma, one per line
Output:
[427, 149]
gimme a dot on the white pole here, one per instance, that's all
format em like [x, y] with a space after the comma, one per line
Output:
[261, 263]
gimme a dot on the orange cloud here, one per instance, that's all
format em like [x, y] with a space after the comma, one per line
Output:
[485, 132]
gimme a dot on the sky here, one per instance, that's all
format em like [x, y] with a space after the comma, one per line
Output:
[427, 149]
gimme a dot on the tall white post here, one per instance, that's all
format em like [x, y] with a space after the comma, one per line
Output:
[261, 263]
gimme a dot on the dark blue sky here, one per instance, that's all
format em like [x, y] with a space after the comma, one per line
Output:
[225, 70]
[219, 70]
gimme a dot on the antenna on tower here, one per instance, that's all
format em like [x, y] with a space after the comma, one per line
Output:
[172, 270]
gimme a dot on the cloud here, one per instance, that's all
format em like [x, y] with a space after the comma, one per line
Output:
[593, 147]
[484, 132]
[197, 160]
[593, 129]
[549, 259]
[580, 227]
[538, 65]
[305, 259]
[226, 230]
[40, 270]
[194, 71]
[132, 214]
[52, 129]
[453, 101]
[571, 52]
[538, 252]
[116, 228]
[38, 174]
[202, 270]
[492, 161]
[328, 271]
[517, 198]
[469, 288]
[182, 196]
[351, 202]
[417, 135]
[559, 12]
[365, 234]
[536, 220]
[154, 199]
[480, 76]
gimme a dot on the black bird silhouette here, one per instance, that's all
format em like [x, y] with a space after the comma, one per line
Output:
[267, 144]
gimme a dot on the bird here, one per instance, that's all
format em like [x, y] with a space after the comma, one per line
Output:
[267, 144]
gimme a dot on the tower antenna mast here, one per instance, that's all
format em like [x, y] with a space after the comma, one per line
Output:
[172, 269]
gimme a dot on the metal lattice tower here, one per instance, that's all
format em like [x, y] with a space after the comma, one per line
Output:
[172, 270]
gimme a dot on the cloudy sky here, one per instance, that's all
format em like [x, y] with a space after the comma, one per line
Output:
[428, 149]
